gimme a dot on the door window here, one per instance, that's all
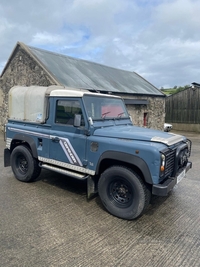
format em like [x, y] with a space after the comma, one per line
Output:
[66, 110]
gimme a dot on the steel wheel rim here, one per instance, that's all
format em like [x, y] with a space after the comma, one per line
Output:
[121, 193]
[22, 164]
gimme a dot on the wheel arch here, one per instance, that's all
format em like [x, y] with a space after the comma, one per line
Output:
[110, 158]
[25, 140]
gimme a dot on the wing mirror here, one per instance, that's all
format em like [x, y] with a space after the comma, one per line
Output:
[77, 120]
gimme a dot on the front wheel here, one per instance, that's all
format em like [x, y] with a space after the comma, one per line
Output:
[24, 166]
[123, 193]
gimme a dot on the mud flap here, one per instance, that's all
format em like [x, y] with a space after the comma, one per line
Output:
[6, 157]
[91, 187]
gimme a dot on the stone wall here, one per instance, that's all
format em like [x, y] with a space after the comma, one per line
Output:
[22, 70]
[155, 110]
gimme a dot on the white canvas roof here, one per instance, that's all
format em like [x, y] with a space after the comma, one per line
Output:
[29, 103]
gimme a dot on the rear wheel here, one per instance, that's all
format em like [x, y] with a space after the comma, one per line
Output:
[123, 193]
[24, 166]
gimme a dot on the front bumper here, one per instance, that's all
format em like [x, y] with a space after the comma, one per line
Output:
[164, 188]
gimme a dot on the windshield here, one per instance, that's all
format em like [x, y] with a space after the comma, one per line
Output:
[102, 107]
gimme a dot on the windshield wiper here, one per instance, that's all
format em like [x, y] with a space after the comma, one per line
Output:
[120, 114]
[104, 114]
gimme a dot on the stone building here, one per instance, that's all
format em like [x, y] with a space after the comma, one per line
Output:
[32, 66]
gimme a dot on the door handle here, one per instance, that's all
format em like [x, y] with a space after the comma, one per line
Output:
[55, 139]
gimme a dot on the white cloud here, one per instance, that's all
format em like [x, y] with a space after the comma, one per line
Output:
[159, 39]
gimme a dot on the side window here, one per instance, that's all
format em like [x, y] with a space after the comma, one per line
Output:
[66, 110]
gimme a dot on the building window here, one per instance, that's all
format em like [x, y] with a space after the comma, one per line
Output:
[145, 119]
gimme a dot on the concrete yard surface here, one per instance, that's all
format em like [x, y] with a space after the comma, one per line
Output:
[51, 223]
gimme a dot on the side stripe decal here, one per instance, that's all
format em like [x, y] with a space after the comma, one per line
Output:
[64, 143]
[29, 132]
[70, 152]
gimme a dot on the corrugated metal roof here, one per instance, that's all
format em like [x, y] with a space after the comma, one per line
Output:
[80, 73]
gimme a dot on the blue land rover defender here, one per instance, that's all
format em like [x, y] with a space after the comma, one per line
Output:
[91, 136]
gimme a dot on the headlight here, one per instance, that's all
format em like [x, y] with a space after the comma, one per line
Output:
[162, 165]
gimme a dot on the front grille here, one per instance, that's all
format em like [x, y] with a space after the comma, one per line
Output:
[174, 159]
[170, 162]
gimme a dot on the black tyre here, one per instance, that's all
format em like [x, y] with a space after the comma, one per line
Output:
[123, 193]
[24, 166]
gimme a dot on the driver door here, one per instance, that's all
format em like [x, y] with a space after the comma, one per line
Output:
[68, 143]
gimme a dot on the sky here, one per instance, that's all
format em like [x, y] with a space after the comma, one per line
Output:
[158, 39]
